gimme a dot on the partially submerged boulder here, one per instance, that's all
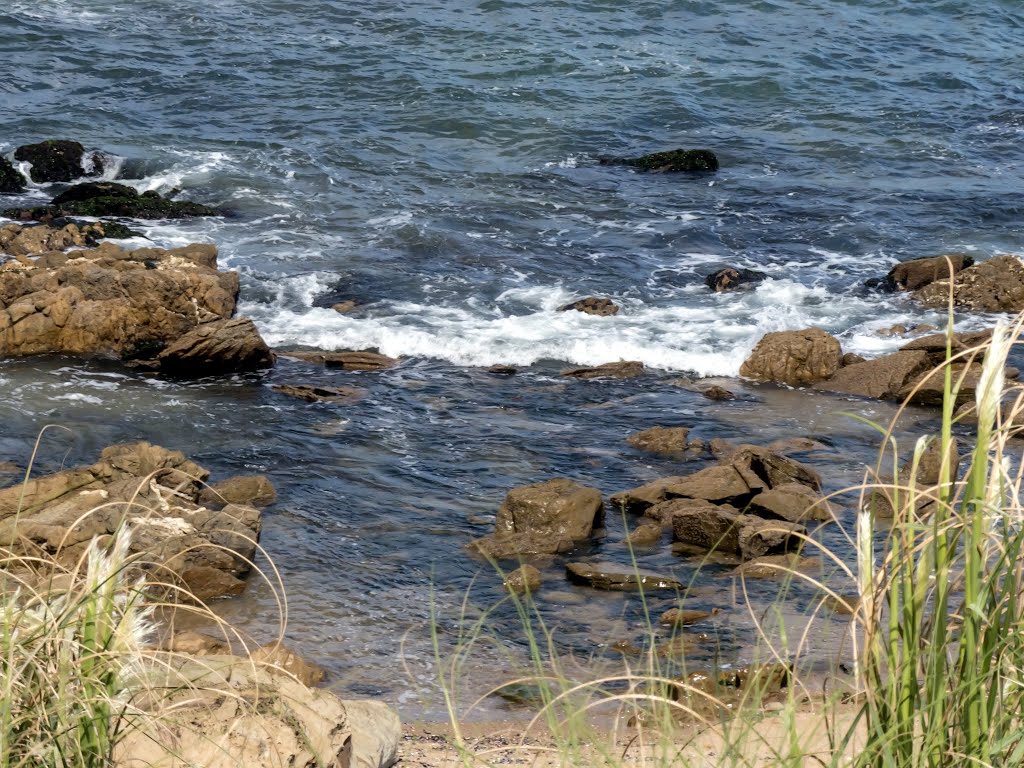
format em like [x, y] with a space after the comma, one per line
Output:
[592, 305]
[220, 346]
[996, 285]
[672, 161]
[359, 360]
[321, 394]
[917, 273]
[664, 441]
[11, 180]
[58, 160]
[154, 490]
[733, 278]
[625, 369]
[541, 518]
[111, 199]
[882, 378]
[796, 358]
[723, 529]
[611, 576]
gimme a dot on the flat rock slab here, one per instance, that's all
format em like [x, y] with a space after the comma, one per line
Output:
[881, 378]
[617, 577]
[622, 370]
[362, 360]
[318, 394]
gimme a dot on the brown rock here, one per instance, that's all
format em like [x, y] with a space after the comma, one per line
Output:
[621, 370]
[666, 441]
[715, 392]
[344, 307]
[637, 501]
[996, 285]
[718, 528]
[278, 658]
[196, 644]
[852, 358]
[524, 579]
[592, 306]
[512, 545]
[796, 358]
[917, 273]
[664, 511]
[762, 468]
[732, 278]
[220, 346]
[560, 508]
[314, 394]
[644, 535]
[253, 490]
[882, 378]
[777, 566]
[791, 501]
[721, 484]
[680, 617]
[616, 577]
[363, 360]
[502, 370]
[788, 445]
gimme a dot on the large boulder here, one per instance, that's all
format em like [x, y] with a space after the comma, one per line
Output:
[672, 161]
[883, 377]
[996, 285]
[220, 346]
[131, 304]
[917, 273]
[541, 518]
[222, 711]
[57, 160]
[796, 358]
[156, 492]
[11, 180]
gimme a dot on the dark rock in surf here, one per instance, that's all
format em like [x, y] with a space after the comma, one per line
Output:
[110, 199]
[625, 369]
[11, 180]
[92, 189]
[317, 394]
[672, 161]
[732, 278]
[57, 160]
[592, 305]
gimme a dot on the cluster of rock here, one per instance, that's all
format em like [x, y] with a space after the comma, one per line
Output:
[171, 307]
[814, 358]
[750, 505]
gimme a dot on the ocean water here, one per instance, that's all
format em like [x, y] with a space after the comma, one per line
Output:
[438, 164]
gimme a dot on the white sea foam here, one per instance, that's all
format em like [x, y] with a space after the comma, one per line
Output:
[711, 336]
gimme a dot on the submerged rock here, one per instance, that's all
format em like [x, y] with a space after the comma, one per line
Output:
[57, 160]
[319, 394]
[592, 306]
[672, 161]
[625, 369]
[618, 577]
[796, 358]
[11, 180]
[733, 278]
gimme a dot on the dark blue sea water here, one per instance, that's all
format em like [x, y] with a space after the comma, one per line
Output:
[437, 163]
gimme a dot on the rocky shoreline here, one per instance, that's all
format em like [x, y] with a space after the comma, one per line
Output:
[66, 289]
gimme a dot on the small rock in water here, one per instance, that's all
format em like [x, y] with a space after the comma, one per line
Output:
[592, 306]
[644, 535]
[672, 161]
[502, 370]
[362, 360]
[317, 394]
[618, 577]
[715, 392]
[344, 307]
[732, 278]
[626, 369]
[525, 578]
[664, 441]
[678, 617]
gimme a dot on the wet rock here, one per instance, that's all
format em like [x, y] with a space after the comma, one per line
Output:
[996, 285]
[502, 370]
[252, 490]
[720, 485]
[681, 617]
[796, 358]
[788, 445]
[11, 180]
[220, 346]
[344, 307]
[715, 392]
[153, 490]
[617, 577]
[196, 644]
[40, 239]
[110, 301]
[883, 377]
[676, 160]
[593, 305]
[361, 360]
[664, 511]
[525, 578]
[637, 501]
[625, 369]
[777, 566]
[929, 387]
[664, 441]
[917, 273]
[716, 528]
[541, 518]
[56, 160]
[733, 278]
[318, 394]
[791, 501]
[644, 535]
[109, 199]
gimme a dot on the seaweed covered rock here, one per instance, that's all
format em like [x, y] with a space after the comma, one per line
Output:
[58, 160]
[672, 161]
[110, 199]
[11, 180]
